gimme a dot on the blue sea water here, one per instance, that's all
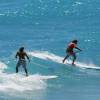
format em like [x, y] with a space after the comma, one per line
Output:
[44, 28]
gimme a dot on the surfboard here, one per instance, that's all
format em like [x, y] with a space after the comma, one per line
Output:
[83, 65]
[45, 55]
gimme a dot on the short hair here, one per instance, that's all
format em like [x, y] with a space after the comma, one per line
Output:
[74, 41]
[21, 49]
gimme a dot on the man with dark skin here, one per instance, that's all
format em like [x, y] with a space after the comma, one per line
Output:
[70, 52]
[22, 62]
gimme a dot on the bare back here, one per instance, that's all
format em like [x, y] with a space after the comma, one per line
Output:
[21, 55]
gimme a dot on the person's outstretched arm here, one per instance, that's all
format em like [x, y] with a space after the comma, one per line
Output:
[16, 55]
[27, 57]
[78, 48]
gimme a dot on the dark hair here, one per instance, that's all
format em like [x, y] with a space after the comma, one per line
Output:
[74, 41]
[21, 49]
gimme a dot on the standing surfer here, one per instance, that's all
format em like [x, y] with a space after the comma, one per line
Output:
[70, 51]
[22, 62]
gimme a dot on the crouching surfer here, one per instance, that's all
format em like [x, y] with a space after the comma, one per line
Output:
[70, 51]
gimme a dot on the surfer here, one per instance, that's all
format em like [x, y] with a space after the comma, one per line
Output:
[70, 51]
[22, 62]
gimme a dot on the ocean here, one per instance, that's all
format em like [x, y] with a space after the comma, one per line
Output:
[45, 28]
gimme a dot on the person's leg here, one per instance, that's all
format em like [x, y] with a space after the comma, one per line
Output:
[24, 66]
[65, 58]
[17, 66]
[74, 58]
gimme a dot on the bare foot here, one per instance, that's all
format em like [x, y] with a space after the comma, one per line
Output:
[73, 64]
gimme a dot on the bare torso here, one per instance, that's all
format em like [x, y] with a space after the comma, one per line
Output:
[21, 55]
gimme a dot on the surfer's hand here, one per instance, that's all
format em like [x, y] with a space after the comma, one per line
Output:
[80, 50]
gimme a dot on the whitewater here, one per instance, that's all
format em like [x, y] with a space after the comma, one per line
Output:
[45, 28]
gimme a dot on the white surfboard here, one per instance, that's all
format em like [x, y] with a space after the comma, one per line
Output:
[52, 57]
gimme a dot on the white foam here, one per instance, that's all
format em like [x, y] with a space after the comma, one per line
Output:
[46, 56]
[18, 82]
[77, 3]
[2, 66]
[50, 56]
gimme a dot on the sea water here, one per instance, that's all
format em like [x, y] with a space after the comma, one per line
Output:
[44, 28]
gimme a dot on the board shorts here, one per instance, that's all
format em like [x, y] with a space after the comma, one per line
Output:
[21, 62]
[71, 53]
